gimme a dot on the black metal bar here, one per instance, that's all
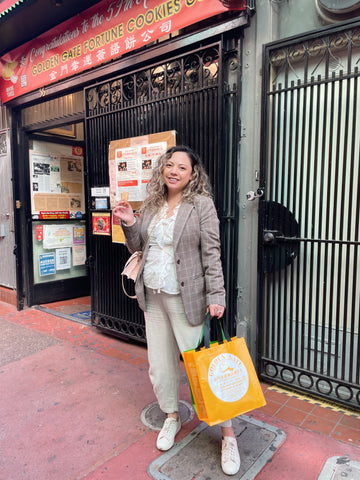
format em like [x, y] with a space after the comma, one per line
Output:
[355, 345]
[308, 277]
[325, 211]
[335, 224]
[289, 347]
[284, 170]
[329, 265]
[303, 194]
[296, 210]
[315, 265]
[347, 167]
[329, 241]
[276, 292]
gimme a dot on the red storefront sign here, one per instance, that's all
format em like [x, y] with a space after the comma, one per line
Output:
[53, 215]
[98, 35]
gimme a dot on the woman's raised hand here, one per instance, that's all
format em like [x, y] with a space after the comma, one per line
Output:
[124, 211]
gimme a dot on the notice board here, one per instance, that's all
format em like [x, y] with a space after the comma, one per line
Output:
[57, 185]
[131, 163]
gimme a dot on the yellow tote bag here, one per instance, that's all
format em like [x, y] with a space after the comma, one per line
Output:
[222, 378]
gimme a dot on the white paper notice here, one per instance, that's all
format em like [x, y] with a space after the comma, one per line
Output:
[79, 255]
[63, 258]
[58, 236]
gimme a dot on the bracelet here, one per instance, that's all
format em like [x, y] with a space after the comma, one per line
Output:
[126, 225]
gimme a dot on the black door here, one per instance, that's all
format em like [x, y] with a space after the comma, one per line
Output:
[50, 216]
[309, 230]
[194, 93]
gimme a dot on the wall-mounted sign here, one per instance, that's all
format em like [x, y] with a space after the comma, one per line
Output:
[79, 235]
[47, 264]
[101, 223]
[39, 233]
[98, 35]
[54, 215]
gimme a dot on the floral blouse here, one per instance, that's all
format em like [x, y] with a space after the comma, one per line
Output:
[159, 270]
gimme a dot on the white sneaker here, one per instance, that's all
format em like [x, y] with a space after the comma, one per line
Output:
[166, 437]
[230, 458]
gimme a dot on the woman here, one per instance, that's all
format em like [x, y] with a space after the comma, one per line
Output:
[180, 278]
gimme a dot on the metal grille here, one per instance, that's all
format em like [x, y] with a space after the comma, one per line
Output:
[309, 297]
[184, 94]
[63, 108]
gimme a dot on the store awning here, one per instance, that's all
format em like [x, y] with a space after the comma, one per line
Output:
[7, 6]
[96, 36]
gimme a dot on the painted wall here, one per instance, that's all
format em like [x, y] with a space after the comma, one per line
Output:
[296, 17]
[7, 263]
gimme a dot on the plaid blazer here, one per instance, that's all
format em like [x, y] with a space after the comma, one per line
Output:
[197, 256]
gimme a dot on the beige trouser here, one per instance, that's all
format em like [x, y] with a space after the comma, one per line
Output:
[168, 332]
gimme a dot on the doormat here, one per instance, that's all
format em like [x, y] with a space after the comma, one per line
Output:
[198, 454]
[82, 315]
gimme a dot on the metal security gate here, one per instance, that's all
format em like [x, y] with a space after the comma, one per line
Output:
[194, 93]
[309, 295]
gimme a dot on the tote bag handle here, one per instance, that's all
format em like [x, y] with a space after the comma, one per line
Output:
[221, 332]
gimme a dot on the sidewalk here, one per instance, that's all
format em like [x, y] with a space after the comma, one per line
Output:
[73, 401]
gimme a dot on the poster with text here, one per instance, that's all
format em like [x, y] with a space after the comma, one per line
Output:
[56, 236]
[78, 255]
[132, 162]
[47, 264]
[57, 184]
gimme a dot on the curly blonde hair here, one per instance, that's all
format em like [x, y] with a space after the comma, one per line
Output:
[199, 183]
